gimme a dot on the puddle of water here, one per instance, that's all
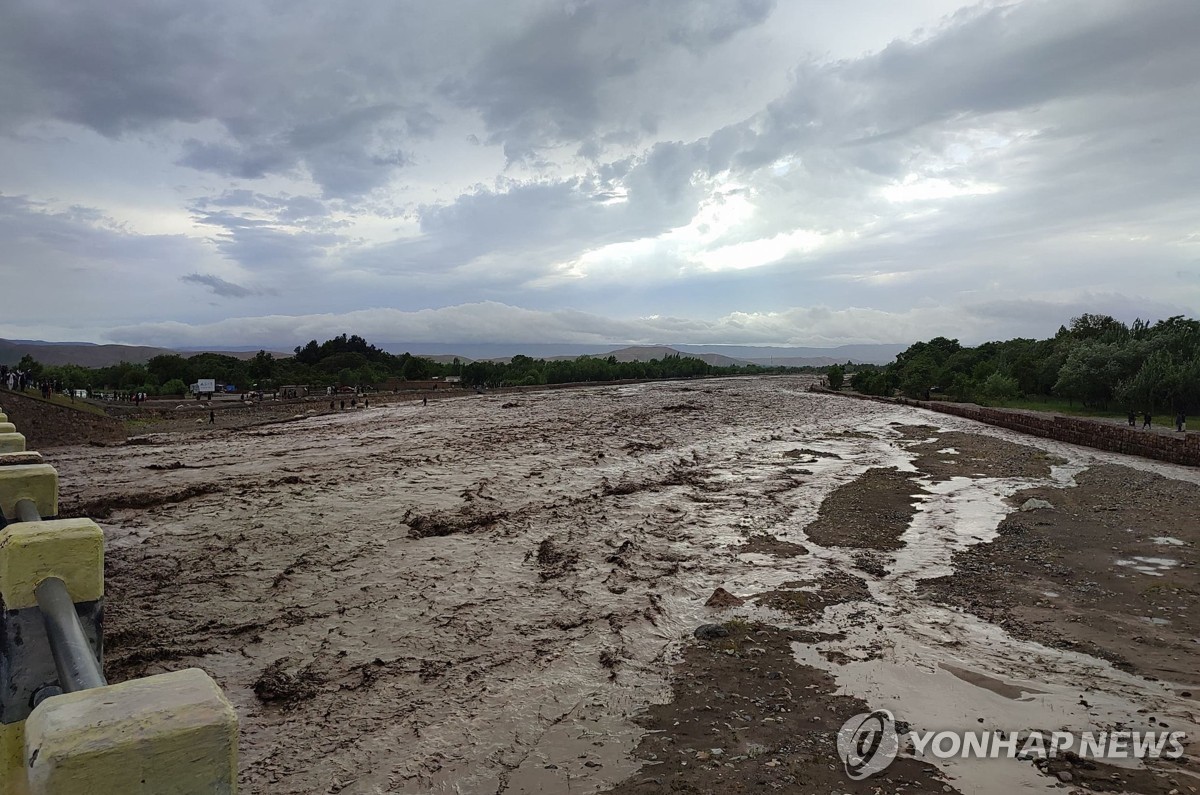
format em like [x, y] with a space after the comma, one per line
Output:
[1167, 541]
[1154, 567]
[997, 686]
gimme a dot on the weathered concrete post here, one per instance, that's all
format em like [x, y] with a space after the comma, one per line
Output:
[173, 733]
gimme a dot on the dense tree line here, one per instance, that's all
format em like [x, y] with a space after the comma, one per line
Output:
[1096, 360]
[352, 361]
[524, 371]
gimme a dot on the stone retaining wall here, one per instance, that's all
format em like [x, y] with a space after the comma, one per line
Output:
[46, 424]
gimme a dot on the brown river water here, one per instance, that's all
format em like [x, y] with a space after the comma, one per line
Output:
[480, 595]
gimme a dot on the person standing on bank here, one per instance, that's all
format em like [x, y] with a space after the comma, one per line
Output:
[1146, 420]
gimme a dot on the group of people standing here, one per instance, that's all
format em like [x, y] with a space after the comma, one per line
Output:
[20, 381]
[1180, 420]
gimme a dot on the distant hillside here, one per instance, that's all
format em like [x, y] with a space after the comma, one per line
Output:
[87, 354]
[802, 357]
[798, 361]
[644, 353]
[81, 353]
[444, 358]
[493, 351]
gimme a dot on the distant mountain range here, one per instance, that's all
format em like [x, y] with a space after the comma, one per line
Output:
[88, 354]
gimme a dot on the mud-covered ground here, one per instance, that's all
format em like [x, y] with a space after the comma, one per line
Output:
[500, 594]
[193, 416]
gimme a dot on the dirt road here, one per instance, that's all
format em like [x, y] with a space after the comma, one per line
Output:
[498, 594]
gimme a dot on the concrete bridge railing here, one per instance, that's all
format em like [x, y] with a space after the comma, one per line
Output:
[63, 729]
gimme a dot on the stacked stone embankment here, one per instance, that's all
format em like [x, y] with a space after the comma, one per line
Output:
[1176, 448]
[45, 424]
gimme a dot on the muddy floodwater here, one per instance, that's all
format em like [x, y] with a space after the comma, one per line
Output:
[498, 593]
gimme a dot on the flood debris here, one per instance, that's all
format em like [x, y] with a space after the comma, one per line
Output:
[445, 523]
[553, 561]
[284, 682]
[710, 631]
[104, 507]
[721, 599]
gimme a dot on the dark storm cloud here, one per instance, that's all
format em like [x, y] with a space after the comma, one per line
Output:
[236, 160]
[110, 67]
[986, 61]
[280, 234]
[217, 285]
[343, 94]
[258, 244]
[285, 208]
[134, 66]
[1110, 88]
[552, 82]
[1013, 162]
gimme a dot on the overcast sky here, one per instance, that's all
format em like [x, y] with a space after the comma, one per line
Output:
[805, 172]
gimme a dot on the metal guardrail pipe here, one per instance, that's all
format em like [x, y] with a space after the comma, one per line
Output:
[27, 511]
[77, 666]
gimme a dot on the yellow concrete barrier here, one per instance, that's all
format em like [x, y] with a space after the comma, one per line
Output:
[12, 443]
[3, 417]
[36, 482]
[70, 549]
[172, 733]
[7, 427]
[12, 759]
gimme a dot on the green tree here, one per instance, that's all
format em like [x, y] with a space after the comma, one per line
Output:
[174, 387]
[837, 376]
[998, 388]
[262, 367]
[31, 366]
[170, 366]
